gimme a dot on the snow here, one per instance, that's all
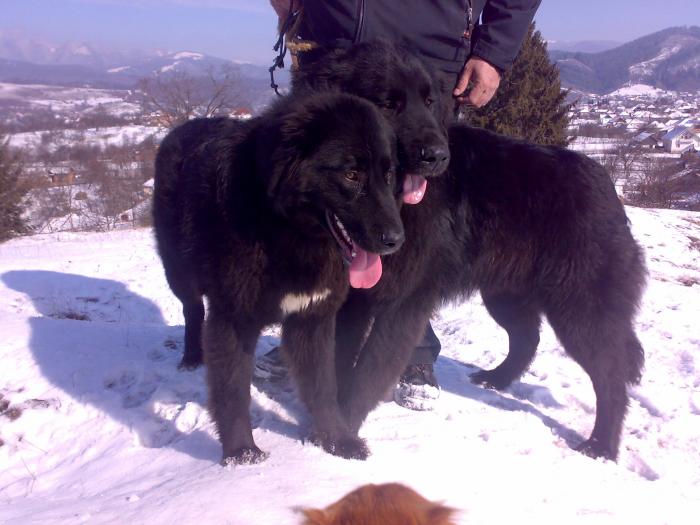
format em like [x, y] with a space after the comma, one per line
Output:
[118, 69]
[69, 99]
[82, 50]
[100, 137]
[188, 54]
[592, 145]
[111, 432]
[170, 67]
[639, 90]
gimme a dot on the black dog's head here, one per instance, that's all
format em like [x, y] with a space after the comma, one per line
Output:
[335, 162]
[398, 83]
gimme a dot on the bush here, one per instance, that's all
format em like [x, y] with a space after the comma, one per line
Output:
[530, 103]
[12, 194]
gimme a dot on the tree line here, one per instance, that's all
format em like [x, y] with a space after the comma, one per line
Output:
[530, 104]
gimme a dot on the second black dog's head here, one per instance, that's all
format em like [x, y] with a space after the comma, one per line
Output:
[335, 163]
[401, 86]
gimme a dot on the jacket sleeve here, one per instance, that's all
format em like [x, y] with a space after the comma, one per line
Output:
[504, 24]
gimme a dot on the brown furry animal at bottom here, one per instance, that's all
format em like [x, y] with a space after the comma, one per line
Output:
[387, 504]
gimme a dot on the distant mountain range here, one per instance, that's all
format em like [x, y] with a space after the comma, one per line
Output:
[582, 46]
[15, 45]
[26, 60]
[668, 59]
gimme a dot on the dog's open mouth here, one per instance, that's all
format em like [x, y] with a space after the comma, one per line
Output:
[365, 267]
[414, 187]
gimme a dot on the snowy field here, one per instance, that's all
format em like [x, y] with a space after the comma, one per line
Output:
[99, 426]
[590, 145]
[66, 99]
[93, 137]
[641, 90]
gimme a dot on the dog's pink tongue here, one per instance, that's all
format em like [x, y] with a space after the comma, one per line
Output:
[365, 269]
[414, 187]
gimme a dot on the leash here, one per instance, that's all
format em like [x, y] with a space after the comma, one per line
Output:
[281, 48]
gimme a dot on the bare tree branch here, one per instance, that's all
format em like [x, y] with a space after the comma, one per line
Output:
[176, 97]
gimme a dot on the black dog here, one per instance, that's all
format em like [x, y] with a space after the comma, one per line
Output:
[404, 89]
[258, 217]
[534, 229]
[413, 97]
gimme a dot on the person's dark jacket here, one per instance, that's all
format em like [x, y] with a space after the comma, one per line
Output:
[435, 28]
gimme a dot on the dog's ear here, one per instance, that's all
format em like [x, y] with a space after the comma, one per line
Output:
[294, 139]
[315, 517]
[322, 69]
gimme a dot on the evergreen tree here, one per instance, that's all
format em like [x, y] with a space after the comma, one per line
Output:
[530, 103]
[11, 194]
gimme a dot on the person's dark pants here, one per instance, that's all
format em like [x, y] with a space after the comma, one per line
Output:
[427, 351]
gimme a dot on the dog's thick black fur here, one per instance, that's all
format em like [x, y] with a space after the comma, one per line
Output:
[410, 94]
[247, 214]
[537, 230]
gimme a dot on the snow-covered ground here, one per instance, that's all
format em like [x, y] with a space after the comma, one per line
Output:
[102, 428]
[66, 99]
[591, 145]
[640, 90]
[100, 137]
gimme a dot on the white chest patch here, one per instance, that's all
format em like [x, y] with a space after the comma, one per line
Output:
[294, 303]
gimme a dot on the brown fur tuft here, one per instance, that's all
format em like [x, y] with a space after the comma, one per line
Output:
[388, 504]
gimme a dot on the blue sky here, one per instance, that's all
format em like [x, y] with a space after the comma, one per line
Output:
[245, 29]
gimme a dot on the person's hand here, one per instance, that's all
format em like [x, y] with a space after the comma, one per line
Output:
[281, 7]
[484, 79]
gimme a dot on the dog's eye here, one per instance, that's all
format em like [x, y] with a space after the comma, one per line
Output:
[390, 104]
[352, 176]
[428, 101]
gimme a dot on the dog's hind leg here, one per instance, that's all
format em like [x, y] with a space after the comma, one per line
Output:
[603, 345]
[308, 340]
[384, 356]
[183, 285]
[229, 357]
[521, 319]
[193, 311]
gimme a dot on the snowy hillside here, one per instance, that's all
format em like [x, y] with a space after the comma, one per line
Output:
[108, 136]
[98, 425]
[63, 99]
[668, 59]
[640, 90]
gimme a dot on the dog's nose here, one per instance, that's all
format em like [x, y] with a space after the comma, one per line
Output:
[437, 156]
[392, 239]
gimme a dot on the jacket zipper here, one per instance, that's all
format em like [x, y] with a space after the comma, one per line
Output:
[360, 20]
[470, 25]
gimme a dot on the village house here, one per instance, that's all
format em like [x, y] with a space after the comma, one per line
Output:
[148, 186]
[241, 114]
[646, 140]
[681, 138]
[61, 176]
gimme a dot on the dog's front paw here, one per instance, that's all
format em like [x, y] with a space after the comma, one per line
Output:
[190, 364]
[244, 456]
[348, 447]
[595, 449]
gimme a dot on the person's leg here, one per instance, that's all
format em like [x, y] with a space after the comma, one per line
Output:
[418, 387]
[271, 366]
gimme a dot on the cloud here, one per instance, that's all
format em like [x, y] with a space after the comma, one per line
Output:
[250, 6]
